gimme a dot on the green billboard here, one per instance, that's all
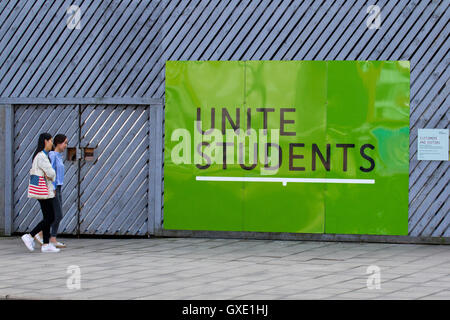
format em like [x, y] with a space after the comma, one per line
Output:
[287, 146]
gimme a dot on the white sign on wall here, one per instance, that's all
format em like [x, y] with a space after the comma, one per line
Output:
[432, 144]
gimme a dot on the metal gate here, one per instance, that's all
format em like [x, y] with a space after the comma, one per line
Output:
[106, 185]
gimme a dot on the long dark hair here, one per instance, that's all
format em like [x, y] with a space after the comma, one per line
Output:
[41, 143]
[59, 138]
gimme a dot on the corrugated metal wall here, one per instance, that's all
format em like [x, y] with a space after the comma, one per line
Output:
[114, 185]
[107, 195]
[29, 122]
[121, 47]
[113, 54]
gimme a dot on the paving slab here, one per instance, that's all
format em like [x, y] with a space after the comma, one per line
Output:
[195, 268]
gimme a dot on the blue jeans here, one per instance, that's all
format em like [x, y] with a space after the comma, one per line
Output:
[57, 204]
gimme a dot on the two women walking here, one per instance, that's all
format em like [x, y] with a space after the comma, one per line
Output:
[46, 180]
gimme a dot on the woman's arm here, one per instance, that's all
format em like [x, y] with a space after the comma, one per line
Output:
[52, 157]
[45, 165]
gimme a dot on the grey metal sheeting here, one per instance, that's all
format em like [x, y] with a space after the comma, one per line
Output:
[122, 46]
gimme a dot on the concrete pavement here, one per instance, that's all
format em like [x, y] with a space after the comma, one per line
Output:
[193, 268]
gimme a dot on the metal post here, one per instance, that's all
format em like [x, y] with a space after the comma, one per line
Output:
[78, 157]
[155, 181]
[9, 168]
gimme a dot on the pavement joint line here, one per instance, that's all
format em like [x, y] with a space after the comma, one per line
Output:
[436, 293]
[313, 290]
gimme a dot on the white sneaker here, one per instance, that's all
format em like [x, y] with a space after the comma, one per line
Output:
[58, 244]
[49, 248]
[39, 239]
[29, 241]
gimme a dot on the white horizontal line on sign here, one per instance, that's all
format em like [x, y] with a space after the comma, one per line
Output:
[286, 180]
